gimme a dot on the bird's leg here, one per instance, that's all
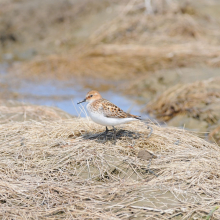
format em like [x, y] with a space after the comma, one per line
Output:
[114, 133]
[106, 132]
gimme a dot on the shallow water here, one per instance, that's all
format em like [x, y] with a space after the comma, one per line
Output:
[61, 94]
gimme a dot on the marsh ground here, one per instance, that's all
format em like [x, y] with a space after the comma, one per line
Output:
[164, 61]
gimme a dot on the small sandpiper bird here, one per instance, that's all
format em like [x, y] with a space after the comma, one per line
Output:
[106, 113]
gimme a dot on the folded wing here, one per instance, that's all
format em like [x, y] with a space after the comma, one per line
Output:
[112, 111]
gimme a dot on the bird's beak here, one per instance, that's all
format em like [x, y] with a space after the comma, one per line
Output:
[84, 100]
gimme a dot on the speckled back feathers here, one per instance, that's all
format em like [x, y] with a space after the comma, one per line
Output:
[108, 109]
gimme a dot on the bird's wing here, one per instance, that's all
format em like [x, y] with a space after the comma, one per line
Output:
[110, 110]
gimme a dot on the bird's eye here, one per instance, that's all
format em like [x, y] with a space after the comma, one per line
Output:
[91, 96]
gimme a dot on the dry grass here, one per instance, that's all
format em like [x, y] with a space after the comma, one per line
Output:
[215, 134]
[15, 111]
[34, 29]
[135, 42]
[62, 170]
[119, 61]
[199, 100]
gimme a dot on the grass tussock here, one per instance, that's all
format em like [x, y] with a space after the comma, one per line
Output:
[199, 100]
[15, 111]
[62, 170]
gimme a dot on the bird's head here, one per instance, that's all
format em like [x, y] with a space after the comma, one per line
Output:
[91, 96]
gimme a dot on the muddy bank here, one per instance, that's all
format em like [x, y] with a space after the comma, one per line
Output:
[63, 169]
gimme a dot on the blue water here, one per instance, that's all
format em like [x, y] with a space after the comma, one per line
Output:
[65, 97]
[62, 94]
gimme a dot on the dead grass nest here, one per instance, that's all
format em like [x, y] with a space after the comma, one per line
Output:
[15, 111]
[63, 170]
[199, 100]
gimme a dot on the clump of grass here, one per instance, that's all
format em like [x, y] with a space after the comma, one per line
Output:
[16, 111]
[198, 100]
[64, 169]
